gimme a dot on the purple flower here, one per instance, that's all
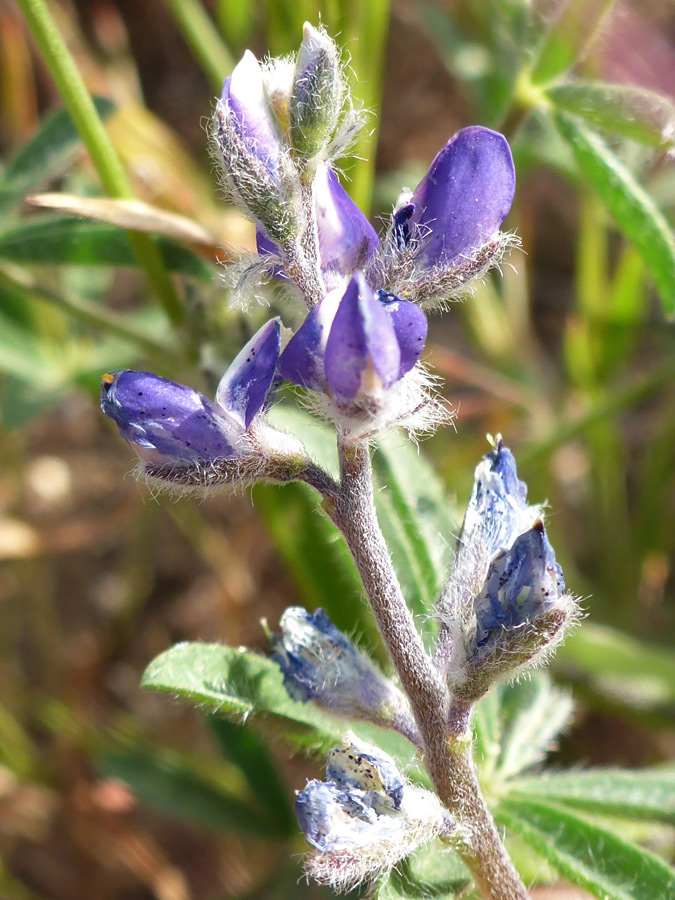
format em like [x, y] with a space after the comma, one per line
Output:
[347, 240]
[320, 664]
[357, 344]
[249, 114]
[166, 422]
[523, 583]
[461, 202]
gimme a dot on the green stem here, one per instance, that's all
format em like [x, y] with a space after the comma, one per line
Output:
[79, 104]
[203, 38]
[16, 279]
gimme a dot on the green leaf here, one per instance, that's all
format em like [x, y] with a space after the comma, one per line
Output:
[242, 746]
[645, 794]
[592, 857]
[416, 520]
[432, 872]
[229, 681]
[168, 783]
[630, 672]
[534, 712]
[237, 683]
[573, 28]
[69, 241]
[634, 112]
[633, 209]
[45, 154]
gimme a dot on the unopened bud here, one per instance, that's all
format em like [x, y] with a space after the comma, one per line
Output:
[318, 94]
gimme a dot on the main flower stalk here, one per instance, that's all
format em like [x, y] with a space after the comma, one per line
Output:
[442, 722]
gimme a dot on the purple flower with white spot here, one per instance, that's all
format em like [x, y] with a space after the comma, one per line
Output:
[357, 345]
[170, 423]
[461, 202]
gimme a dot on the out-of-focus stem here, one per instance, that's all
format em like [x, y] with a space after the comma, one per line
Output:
[79, 104]
[202, 35]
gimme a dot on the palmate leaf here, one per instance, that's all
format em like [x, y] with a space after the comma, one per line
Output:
[45, 154]
[607, 866]
[646, 794]
[432, 873]
[633, 209]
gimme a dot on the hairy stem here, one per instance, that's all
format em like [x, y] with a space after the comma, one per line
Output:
[443, 721]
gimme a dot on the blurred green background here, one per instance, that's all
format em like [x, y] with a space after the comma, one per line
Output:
[109, 792]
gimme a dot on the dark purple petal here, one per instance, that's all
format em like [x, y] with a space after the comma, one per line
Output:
[165, 421]
[246, 384]
[347, 240]
[361, 341]
[465, 196]
[410, 326]
[244, 97]
[302, 362]
[266, 247]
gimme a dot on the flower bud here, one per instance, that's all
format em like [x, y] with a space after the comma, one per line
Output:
[365, 818]
[249, 151]
[320, 664]
[166, 422]
[505, 602]
[446, 233]
[176, 430]
[318, 94]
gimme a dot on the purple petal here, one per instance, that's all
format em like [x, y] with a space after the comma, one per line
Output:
[266, 247]
[347, 240]
[302, 362]
[465, 196]
[244, 387]
[165, 421]
[361, 341]
[410, 326]
[244, 96]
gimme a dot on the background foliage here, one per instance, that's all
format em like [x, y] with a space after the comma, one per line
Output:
[570, 357]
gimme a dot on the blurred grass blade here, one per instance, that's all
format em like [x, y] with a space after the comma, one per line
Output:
[592, 857]
[22, 284]
[570, 35]
[633, 112]
[628, 671]
[168, 783]
[79, 104]
[243, 747]
[132, 215]
[646, 794]
[46, 154]
[634, 211]
[62, 242]
[203, 38]
[414, 513]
